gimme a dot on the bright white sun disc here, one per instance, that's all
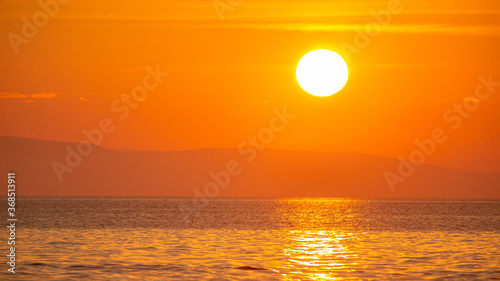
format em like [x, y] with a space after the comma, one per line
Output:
[322, 73]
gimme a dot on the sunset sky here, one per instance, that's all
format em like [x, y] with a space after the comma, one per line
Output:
[226, 76]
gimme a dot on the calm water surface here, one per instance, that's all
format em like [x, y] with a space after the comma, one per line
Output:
[256, 239]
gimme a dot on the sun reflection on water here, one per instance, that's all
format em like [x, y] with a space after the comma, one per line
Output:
[319, 255]
[314, 252]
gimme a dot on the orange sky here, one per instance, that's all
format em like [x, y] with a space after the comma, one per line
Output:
[227, 76]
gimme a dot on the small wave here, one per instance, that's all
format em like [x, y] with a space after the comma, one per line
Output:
[111, 264]
[84, 267]
[250, 268]
[144, 248]
[38, 264]
[468, 265]
[134, 267]
[154, 267]
[64, 243]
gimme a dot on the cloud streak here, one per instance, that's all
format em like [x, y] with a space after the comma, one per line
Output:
[423, 16]
[13, 96]
[43, 95]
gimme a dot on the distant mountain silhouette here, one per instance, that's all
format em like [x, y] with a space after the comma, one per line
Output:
[272, 173]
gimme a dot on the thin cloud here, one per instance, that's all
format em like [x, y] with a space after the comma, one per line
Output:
[472, 99]
[42, 95]
[12, 96]
[47, 96]
[424, 16]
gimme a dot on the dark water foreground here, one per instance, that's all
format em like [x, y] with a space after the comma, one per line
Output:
[255, 239]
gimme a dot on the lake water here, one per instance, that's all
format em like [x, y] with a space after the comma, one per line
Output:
[255, 239]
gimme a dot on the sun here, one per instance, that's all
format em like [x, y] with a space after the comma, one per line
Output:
[322, 73]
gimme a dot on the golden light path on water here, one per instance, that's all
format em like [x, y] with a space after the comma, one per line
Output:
[317, 254]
